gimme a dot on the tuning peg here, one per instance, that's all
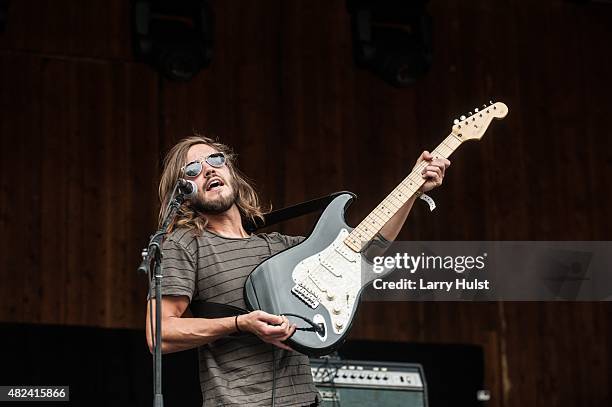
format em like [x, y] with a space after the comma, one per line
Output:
[462, 117]
[491, 102]
[484, 106]
[476, 109]
[456, 121]
[469, 113]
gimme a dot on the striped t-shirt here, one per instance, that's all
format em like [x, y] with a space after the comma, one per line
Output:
[235, 370]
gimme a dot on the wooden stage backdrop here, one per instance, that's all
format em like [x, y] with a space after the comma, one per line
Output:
[84, 127]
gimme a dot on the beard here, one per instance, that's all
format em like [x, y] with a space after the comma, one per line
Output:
[214, 206]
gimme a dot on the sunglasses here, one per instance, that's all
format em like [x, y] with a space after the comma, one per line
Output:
[194, 168]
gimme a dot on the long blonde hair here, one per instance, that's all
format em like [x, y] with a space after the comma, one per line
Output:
[246, 200]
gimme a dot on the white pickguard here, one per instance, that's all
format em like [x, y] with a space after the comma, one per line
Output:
[331, 278]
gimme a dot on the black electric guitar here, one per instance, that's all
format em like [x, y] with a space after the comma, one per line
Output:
[320, 280]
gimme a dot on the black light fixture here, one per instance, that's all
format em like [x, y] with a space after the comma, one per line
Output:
[392, 38]
[3, 14]
[173, 36]
[591, 1]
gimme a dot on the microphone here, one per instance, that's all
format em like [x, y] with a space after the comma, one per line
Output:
[189, 189]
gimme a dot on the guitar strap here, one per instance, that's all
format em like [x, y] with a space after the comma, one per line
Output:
[208, 309]
[290, 212]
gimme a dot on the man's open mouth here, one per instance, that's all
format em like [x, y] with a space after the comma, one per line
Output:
[214, 183]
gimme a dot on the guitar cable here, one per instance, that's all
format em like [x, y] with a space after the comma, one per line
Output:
[314, 327]
[273, 375]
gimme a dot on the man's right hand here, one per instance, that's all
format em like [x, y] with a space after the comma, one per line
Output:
[269, 328]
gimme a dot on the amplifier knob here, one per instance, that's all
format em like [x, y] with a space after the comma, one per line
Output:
[337, 310]
[330, 296]
[339, 325]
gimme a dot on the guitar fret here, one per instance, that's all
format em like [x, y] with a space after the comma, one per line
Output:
[393, 199]
[414, 177]
[407, 192]
[411, 187]
[387, 211]
[449, 147]
[397, 198]
[386, 205]
[373, 221]
[371, 225]
[453, 141]
[437, 152]
[382, 216]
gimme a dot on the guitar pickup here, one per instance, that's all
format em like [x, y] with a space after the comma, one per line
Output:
[327, 265]
[345, 252]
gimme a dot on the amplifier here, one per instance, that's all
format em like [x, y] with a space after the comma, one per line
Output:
[362, 383]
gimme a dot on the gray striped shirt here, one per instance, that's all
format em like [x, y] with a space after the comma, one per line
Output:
[234, 370]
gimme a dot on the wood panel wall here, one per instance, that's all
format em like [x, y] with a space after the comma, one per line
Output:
[84, 126]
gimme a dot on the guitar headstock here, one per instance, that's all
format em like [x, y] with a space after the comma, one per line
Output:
[474, 126]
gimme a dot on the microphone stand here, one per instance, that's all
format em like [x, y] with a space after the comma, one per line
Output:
[152, 257]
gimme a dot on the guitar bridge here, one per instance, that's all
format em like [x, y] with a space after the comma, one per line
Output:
[305, 295]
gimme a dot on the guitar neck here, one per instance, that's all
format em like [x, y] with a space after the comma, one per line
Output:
[374, 222]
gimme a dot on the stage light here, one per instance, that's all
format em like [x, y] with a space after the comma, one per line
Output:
[3, 14]
[173, 36]
[392, 38]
